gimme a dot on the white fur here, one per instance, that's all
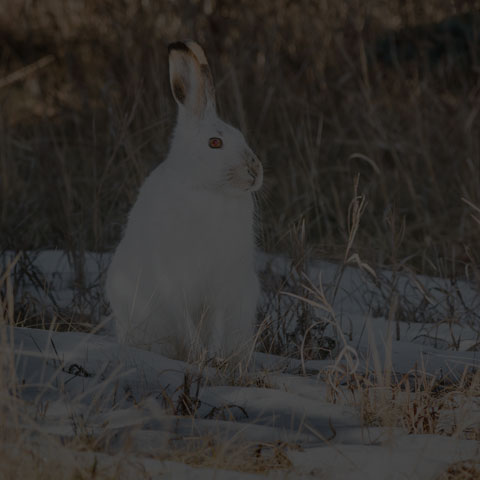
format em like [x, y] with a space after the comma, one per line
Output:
[182, 278]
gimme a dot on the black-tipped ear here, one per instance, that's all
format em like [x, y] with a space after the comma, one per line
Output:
[177, 46]
[190, 77]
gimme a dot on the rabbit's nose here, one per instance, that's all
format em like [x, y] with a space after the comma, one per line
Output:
[253, 166]
[253, 163]
[255, 171]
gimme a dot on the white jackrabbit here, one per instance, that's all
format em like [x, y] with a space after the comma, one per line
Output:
[183, 278]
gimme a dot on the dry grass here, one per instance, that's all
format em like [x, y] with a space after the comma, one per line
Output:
[86, 114]
[248, 457]
[416, 402]
[462, 471]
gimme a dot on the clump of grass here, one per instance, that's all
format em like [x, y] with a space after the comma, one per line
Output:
[417, 402]
[38, 303]
[251, 457]
[290, 325]
[467, 470]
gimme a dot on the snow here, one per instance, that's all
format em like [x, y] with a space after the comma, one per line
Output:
[130, 392]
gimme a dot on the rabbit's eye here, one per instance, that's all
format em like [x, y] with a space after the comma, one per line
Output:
[215, 142]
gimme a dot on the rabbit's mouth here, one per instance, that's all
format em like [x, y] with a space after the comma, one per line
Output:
[254, 170]
[247, 178]
[256, 179]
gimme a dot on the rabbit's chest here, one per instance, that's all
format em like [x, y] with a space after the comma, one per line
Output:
[197, 234]
[214, 237]
[222, 230]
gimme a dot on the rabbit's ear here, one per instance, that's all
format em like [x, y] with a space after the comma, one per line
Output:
[190, 77]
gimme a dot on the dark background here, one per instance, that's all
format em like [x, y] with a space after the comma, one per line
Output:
[322, 91]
